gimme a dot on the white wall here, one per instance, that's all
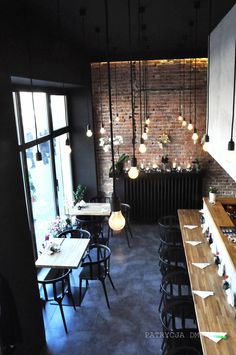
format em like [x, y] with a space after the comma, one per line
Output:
[222, 48]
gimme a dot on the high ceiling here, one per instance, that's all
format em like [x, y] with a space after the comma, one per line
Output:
[159, 28]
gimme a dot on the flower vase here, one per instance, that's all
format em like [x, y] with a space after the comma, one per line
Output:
[212, 197]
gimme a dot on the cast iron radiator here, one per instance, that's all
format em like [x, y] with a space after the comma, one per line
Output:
[153, 195]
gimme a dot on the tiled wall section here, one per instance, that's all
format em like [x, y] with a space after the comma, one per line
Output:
[164, 79]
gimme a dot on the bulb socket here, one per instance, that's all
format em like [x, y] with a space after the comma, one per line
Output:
[67, 142]
[141, 140]
[133, 162]
[38, 156]
[231, 145]
[115, 203]
[207, 138]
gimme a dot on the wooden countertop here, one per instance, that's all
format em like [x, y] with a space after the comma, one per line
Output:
[213, 313]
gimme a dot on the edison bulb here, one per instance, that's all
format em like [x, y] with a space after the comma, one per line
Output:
[144, 135]
[89, 133]
[180, 118]
[142, 148]
[133, 172]
[116, 221]
[147, 120]
[190, 126]
[146, 129]
[68, 149]
[102, 129]
[205, 146]
[184, 123]
[117, 117]
[195, 136]
[230, 156]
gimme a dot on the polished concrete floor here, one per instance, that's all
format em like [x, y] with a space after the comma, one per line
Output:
[129, 326]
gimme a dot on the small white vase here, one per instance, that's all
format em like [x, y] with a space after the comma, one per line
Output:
[212, 197]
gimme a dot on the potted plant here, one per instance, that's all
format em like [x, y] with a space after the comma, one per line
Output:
[119, 164]
[78, 194]
[212, 194]
[164, 160]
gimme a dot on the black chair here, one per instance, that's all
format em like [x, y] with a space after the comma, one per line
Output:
[168, 221]
[125, 209]
[75, 233]
[54, 287]
[183, 350]
[95, 226]
[175, 286]
[170, 237]
[96, 266]
[179, 324]
[100, 198]
[171, 259]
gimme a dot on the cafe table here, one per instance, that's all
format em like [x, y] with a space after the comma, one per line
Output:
[69, 257]
[91, 209]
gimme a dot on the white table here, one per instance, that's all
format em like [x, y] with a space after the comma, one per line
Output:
[72, 251]
[91, 209]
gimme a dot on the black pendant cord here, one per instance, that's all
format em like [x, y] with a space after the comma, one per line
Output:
[196, 5]
[131, 80]
[140, 98]
[146, 95]
[180, 91]
[116, 89]
[232, 124]
[97, 30]
[109, 97]
[190, 90]
[183, 91]
[208, 73]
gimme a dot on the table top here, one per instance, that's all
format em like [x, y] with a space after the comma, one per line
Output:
[213, 313]
[92, 209]
[72, 251]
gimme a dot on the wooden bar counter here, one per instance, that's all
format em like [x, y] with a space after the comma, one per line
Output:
[213, 313]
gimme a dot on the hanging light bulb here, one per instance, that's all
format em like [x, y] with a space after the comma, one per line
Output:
[117, 118]
[67, 144]
[180, 118]
[230, 155]
[38, 155]
[206, 143]
[195, 135]
[146, 129]
[190, 125]
[116, 219]
[147, 121]
[89, 132]
[184, 123]
[102, 129]
[133, 171]
[142, 147]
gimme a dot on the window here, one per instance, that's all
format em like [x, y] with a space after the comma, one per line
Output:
[42, 125]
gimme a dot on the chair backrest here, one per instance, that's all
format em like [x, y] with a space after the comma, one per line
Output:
[170, 236]
[55, 284]
[93, 225]
[100, 198]
[125, 209]
[183, 350]
[176, 284]
[168, 221]
[97, 259]
[75, 233]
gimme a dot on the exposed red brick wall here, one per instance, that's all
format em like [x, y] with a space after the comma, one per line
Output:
[164, 78]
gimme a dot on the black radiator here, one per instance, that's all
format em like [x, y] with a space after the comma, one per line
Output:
[153, 195]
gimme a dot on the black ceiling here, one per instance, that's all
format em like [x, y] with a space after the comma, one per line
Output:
[162, 30]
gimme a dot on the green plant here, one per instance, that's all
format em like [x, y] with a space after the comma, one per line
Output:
[165, 159]
[78, 194]
[120, 164]
[213, 189]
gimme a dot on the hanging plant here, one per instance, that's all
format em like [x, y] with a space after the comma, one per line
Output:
[163, 140]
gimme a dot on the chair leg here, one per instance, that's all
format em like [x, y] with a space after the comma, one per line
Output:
[80, 291]
[70, 294]
[127, 236]
[109, 276]
[105, 292]
[63, 316]
[130, 231]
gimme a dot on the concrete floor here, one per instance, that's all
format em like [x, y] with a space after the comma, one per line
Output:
[128, 327]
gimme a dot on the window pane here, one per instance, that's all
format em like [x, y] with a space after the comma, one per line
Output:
[63, 172]
[40, 105]
[58, 111]
[41, 190]
[16, 118]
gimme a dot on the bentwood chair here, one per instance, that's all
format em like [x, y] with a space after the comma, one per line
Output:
[96, 266]
[94, 226]
[54, 288]
[75, 233]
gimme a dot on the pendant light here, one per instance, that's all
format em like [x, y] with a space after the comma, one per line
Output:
[133, 171]
[116, 220]
[206, 137]
[231, 144]
[142, 146]
[195, 134]
[67, 144]
[82, 13]
[180, 117]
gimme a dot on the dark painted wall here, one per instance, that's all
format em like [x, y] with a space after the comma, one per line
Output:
[51, 60]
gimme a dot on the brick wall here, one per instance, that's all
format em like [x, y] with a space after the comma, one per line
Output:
[164, 78]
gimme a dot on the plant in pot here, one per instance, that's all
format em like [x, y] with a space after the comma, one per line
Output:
[78, 194]
[165, 161]
[212, 194]
[119, 164]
